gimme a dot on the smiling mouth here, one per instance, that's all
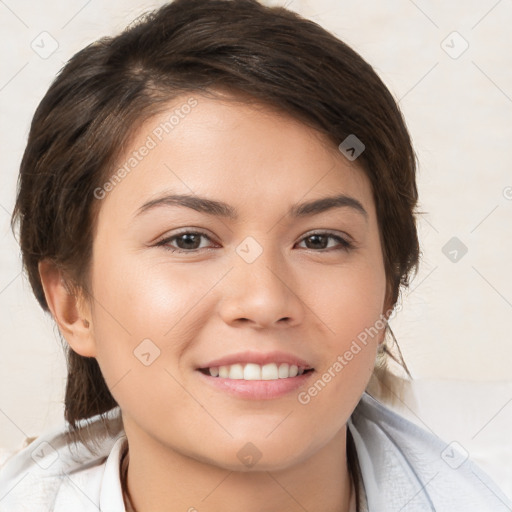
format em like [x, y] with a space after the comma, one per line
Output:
[252, 371]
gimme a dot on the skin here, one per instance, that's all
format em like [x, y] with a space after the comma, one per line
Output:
[297, 297]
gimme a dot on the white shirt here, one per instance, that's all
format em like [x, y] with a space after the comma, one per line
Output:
[403, 468]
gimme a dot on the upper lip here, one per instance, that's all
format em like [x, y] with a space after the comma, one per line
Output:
[260, 358]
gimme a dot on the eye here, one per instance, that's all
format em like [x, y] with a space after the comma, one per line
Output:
[190, 241]
[187, 241]
[320, 241]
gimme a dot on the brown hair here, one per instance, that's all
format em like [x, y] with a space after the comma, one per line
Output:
[106, 90]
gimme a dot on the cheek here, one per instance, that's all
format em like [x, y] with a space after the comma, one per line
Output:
[146, 301]
[144, 313]
[349, 347]
[350, 307]
[350, 301]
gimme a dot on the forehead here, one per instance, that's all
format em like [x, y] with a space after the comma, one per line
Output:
[242, 153]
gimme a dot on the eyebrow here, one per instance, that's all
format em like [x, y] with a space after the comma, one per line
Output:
[221, 209]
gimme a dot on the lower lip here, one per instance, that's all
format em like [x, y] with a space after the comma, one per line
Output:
[257, 389]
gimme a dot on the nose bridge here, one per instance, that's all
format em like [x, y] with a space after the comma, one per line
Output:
[259, 266]
[263, 293]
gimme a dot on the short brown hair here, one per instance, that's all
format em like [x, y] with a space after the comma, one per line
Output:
[109, 88]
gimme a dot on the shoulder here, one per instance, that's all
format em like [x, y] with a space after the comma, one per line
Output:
[404, 466]
[50, 473]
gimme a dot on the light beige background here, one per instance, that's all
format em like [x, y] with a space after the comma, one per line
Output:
[454, 329]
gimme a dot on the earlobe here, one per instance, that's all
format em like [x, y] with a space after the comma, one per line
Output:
[71, 315]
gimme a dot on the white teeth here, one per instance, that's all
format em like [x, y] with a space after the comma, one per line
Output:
[251, 371]
[284, 371]
[236, 371]
[269, 372]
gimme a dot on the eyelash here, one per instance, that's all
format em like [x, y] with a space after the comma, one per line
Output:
[345, 244]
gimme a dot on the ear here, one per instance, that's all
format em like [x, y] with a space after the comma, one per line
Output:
[71, 313]
[386, 313]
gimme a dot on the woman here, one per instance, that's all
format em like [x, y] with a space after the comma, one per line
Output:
[217, 207]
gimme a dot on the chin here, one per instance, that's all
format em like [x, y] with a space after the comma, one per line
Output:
[249, 457]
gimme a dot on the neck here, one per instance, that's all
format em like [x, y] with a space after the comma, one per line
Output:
[166, 480]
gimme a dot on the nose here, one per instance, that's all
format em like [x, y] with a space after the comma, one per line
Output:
[264, 293]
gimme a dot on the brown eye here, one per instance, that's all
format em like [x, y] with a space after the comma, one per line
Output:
[188, 241]
[320, 241]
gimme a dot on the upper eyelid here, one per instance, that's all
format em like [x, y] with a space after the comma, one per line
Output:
[195, 231]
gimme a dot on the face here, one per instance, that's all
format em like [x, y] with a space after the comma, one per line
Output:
[228, 317]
